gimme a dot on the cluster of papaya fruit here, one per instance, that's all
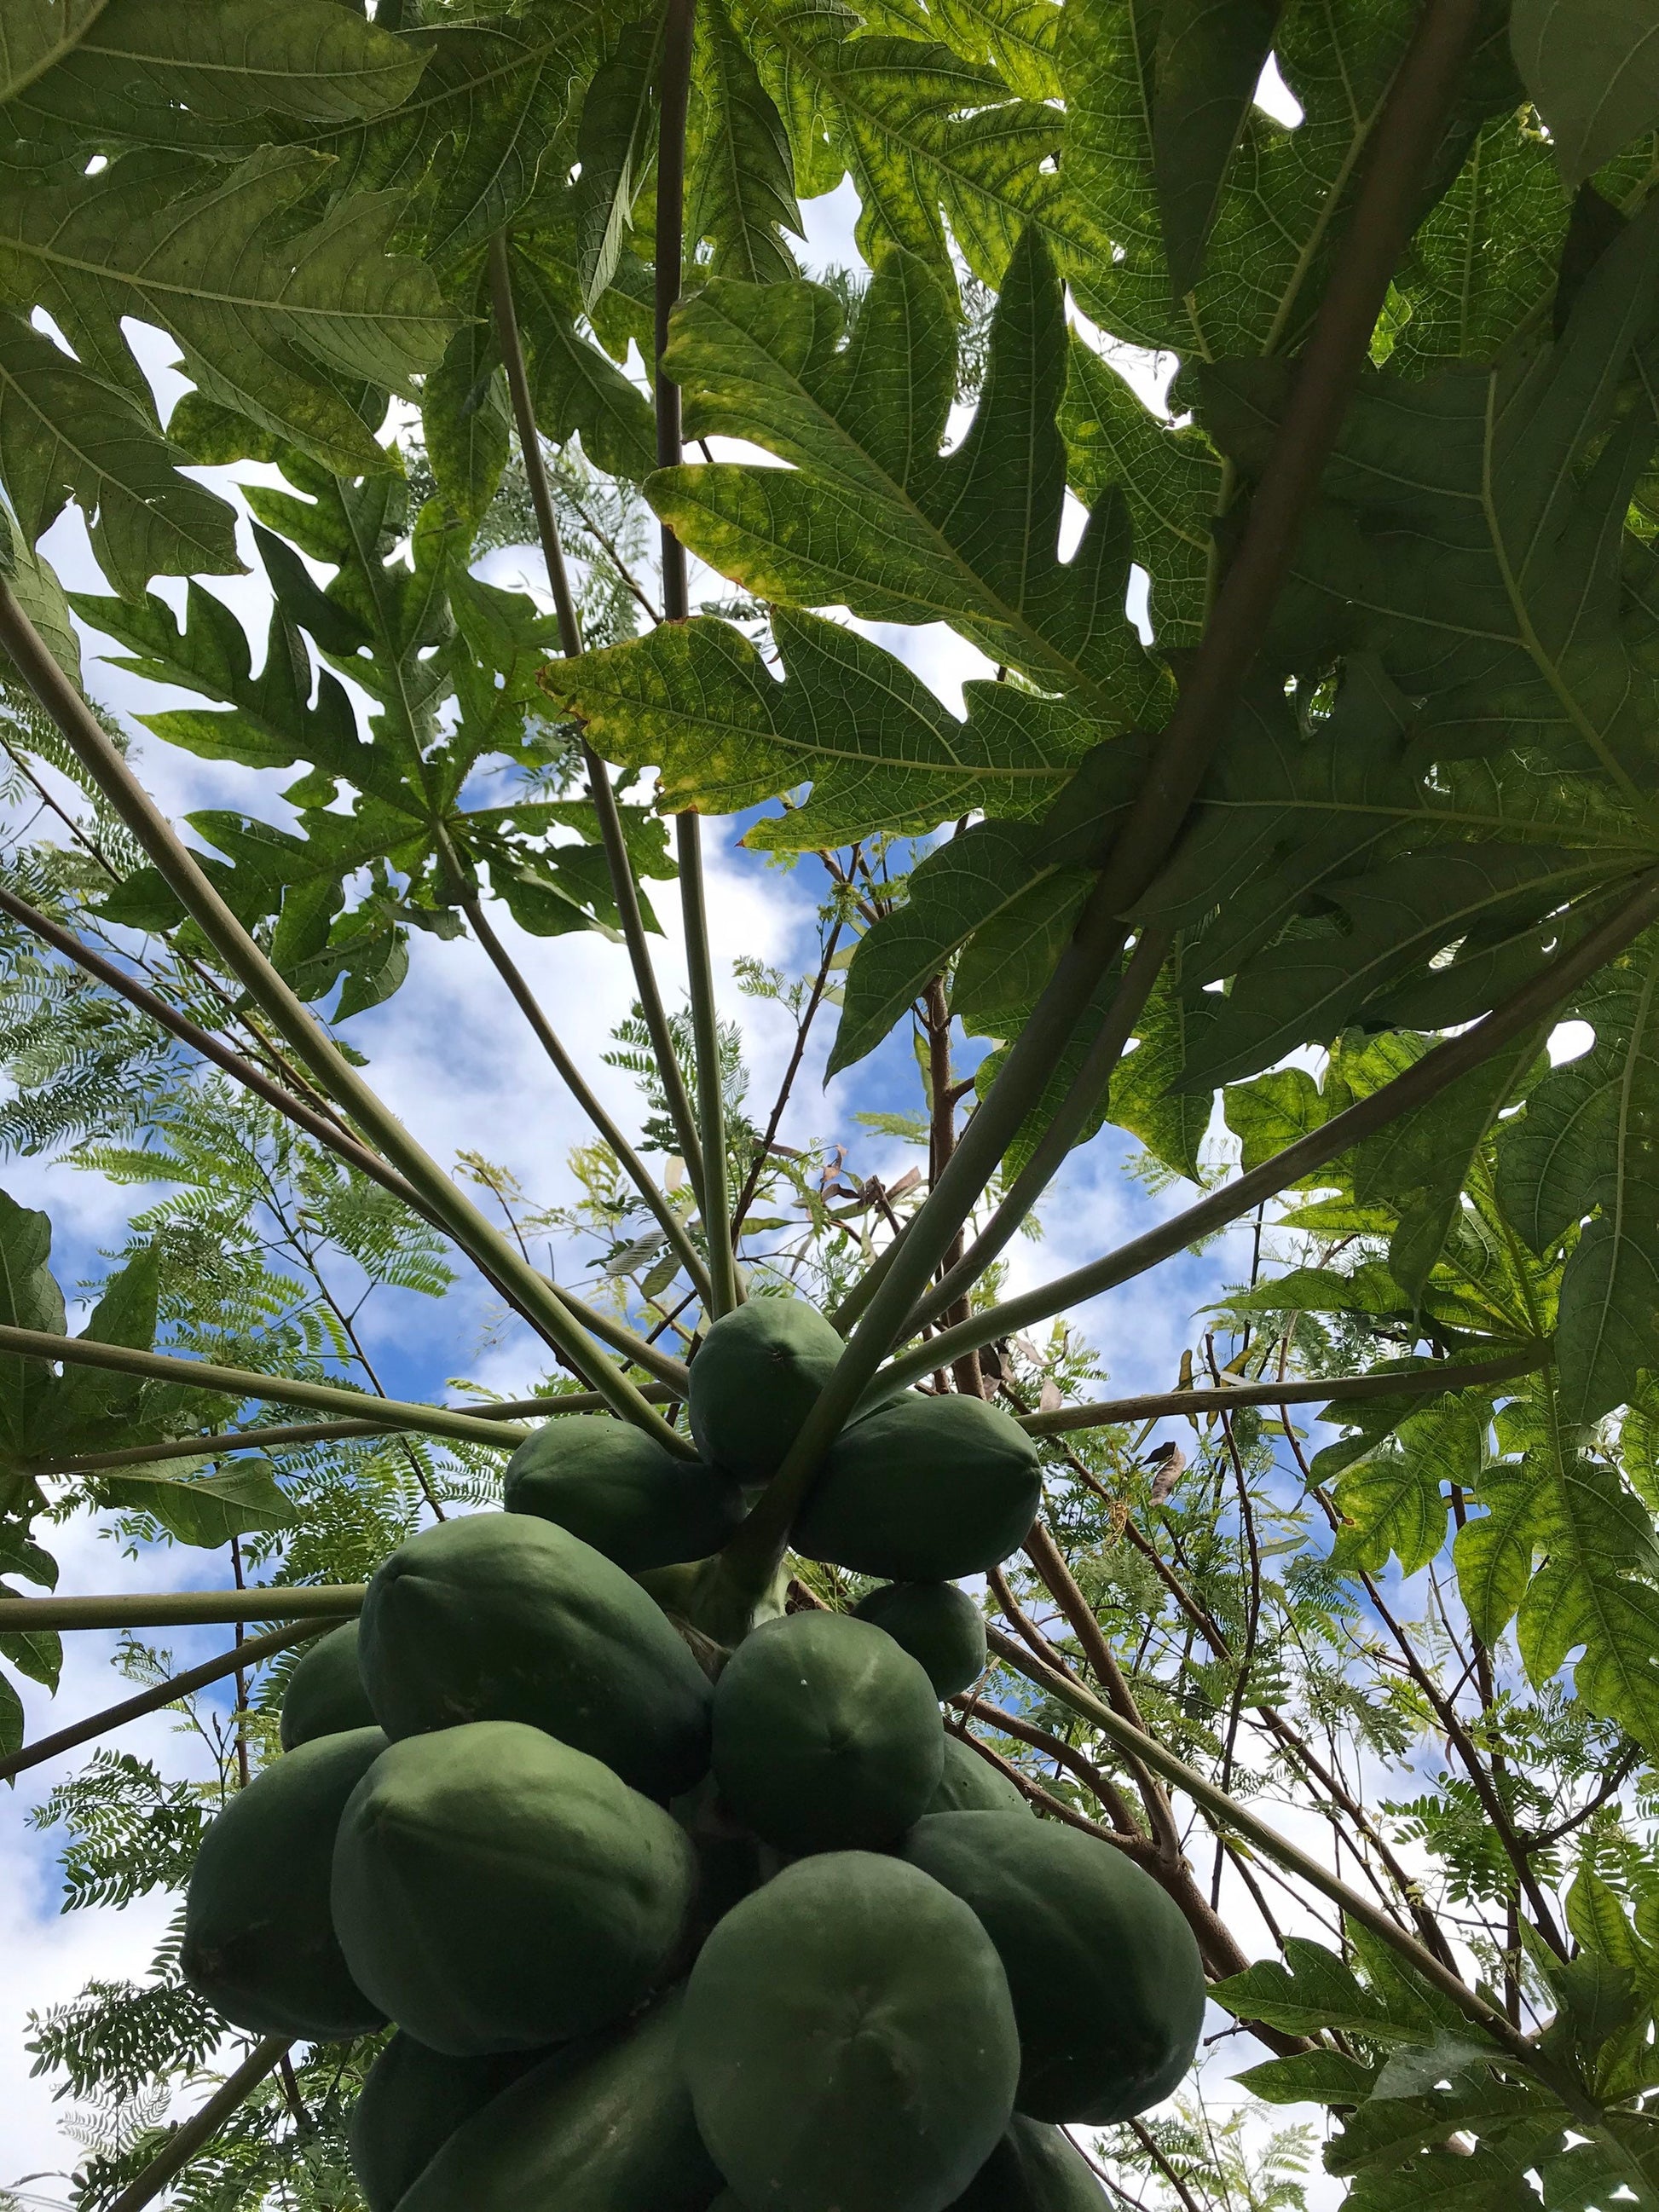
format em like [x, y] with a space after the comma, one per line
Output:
[661, 1932]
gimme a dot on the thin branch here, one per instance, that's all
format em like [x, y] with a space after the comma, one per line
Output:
[1425, 1079]
[579, 1089]
[803, 1029]
[623, 888]
[249, 1653]
[317, 1050]
[1151, 1405]
[393, 1413]
[1229, 1815]
[329, 1602]
[194, 2133]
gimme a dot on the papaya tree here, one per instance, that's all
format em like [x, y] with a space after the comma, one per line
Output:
[810, 1749]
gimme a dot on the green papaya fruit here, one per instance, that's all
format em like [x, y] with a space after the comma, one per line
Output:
[969, 1783]
[1033, 2169]
[602, 2128]
[412, 2103]
[325, 1694]
[495, 1889]
[753, 1381]
[610, 1484]
[940, 1626]
[826, 1734]
[923, 1490]
[1106, 1977]
[500, 1617]
[258, 1942]
[849, 2041]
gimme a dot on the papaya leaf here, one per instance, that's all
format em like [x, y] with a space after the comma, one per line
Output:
[1209, 55]
[1148, 1098]
[35, 34]
[36, 1652]
[1314, 1990]
[1170, 481]
[1471, 536]
[574, 389]
[1018, 39]
[267, 315]
[465, 151]
[206, 1511]
[613, 143]
[1391, 1500]
[1593, 69]
[65, 433]
[740, 179]
[695, 699]
[870, 515]
[29, 1299]
[464, 418]
[1585, 1146]
[11, 1719]
[41, 597]
[151, 70]
[928, 136]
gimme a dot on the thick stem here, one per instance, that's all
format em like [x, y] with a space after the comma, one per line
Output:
[392, 1414]
[327, 1602]
[1425, 1079]
[1049, 1153]
[317, 1432]
[615, 844]
[316, 1050]
[1106, 1412]
[196, 2133]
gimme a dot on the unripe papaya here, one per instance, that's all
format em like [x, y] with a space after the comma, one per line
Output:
[826, 1734]
[259, 1944]
[602, 2128]
[610, 1484]
[1106, 1977]
[924, 1489]
[969, 1783]
[849, 2041]
[753, 1381]
[495, 1889]
[1033, 2169]
[412, 2103]
[940, 1626]
[325, 1695]
[500, 1617]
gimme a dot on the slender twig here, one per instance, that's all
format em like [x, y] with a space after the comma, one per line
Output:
[580, 1089]
[329, 1602]
[194, 2133]
[1229, 1815]
[392, 1414]
[249, 1653]
[673, 101]
[1106, 1412]
[774, 1120]
[1425, 1079]
[611, 837]
[185, 877]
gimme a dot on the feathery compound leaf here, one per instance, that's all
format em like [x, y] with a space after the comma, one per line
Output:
[153, 70]
[740, 181]
[264, 313]
[881, 753]
[871, 515]
[36, 33]
[65, 433]
[1593, 68]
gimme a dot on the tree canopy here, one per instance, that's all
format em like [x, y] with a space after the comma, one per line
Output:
[1299, 827]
